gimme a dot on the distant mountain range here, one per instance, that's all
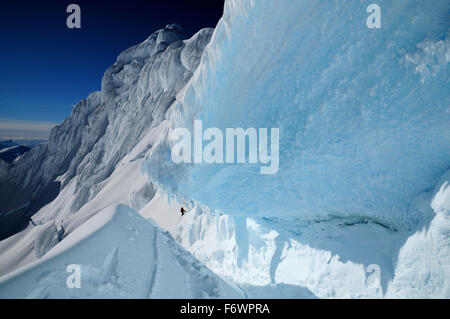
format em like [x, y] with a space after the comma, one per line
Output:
[7, 143]
[10, 150]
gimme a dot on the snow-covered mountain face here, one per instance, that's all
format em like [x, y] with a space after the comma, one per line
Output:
[360, 206]
[86, 147]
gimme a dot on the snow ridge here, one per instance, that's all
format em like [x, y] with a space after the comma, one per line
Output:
[110, 269]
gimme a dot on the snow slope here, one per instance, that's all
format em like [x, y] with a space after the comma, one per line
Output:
[126, 185]
[106, 249]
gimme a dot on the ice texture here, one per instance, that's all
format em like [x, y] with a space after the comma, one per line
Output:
[363, 113]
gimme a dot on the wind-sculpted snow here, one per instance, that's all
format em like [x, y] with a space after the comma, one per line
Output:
[136, 92]
[363, 113]
[423, 267]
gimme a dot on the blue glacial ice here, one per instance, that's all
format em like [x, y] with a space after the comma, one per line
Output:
[363, 113]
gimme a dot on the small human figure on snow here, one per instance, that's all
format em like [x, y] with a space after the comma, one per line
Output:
[61, 232]
[182, 210]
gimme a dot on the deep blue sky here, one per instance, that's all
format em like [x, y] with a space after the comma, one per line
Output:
[47, 68]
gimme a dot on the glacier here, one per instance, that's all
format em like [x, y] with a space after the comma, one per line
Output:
[364, 140]
[363, 113]
[362, 189]
[332, 258]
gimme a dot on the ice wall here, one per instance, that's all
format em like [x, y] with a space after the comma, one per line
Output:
[336, 258]
[363, 113]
